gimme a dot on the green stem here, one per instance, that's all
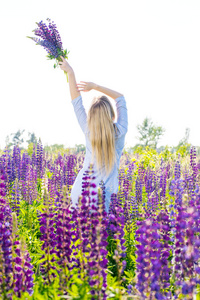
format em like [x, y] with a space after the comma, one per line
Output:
[66, 76]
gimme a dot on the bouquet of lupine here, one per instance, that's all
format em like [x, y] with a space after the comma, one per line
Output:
[50, 39]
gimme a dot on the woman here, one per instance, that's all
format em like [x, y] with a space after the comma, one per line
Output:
[104, 138]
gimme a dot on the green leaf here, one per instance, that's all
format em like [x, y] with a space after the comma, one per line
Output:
[74, 288]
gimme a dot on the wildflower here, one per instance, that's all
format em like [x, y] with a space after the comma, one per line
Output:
[48, 37]
[90, 221]
[40, 160]
[152, 254]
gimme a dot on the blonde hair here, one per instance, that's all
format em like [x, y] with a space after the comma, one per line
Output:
[102, 133]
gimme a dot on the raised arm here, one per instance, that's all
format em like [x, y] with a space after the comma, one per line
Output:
[75, 95]
[64, 65]
[84, 86]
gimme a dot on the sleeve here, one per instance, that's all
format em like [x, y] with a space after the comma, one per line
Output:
[80, 113]
[122, 116]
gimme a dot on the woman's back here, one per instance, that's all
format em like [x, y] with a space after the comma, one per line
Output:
[110, 180]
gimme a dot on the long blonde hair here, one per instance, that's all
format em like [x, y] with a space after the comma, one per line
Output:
[102, 133]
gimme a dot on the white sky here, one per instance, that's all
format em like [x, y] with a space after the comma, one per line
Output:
[146, 49]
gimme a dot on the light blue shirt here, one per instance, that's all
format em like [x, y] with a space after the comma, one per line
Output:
[111, 180]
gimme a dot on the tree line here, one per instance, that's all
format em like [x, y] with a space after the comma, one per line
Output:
[148, 136]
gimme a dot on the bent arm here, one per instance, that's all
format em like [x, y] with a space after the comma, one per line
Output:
[122, 117]
[88, 86]
[108, 92]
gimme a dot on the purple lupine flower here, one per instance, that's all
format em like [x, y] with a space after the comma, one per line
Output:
[187, 249]
[165, 249]
[29, 184]
[15, 196]
[122, 192]
[9, 169]
[5, 247]
[127, 210]
[48, 235]
[6, 166]
[65, 234]
[125, 187]
[50, 33]
[49, 47]
[23, 273]
[189, 184]
[91, 227]
[52, 186]
[49, 38]
[33, 157]
[56, 38]
[2, 185]
[163, 183]
[179, 244]
[47, 43]
[20, 279]
[116, 225]
[70, 164]
[43, 31]
[114, 202]
[59, 162]
[154, 184]
[134, 209]
[138, 190]
[150, 206]
[130, 170]
[177, 170]
[151, 260]
[16, 162]
[149, 181]
[56, 178]
[196, 214]
[193, 164]
[129, 289]
[40, 160]
[144, 253]
[176, 191]
[99, 243]
[25, 161]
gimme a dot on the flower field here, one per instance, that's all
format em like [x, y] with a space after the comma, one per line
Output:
[146, 247]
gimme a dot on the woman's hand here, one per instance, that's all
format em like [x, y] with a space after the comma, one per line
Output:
[84, 86]
[65, 66]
